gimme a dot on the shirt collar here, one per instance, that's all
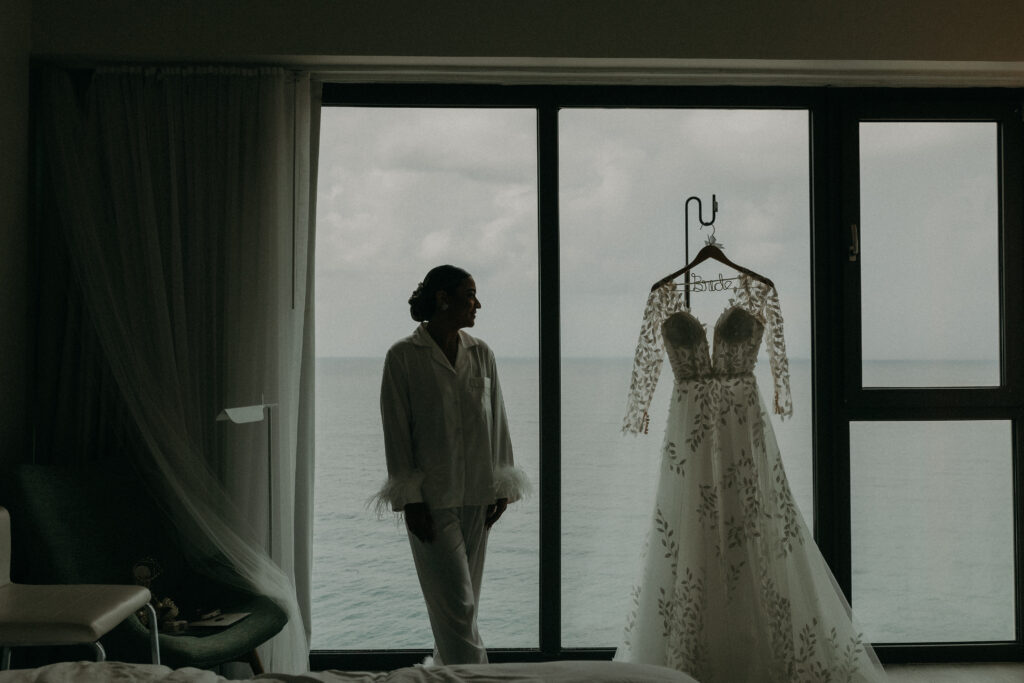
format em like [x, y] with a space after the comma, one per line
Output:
[422, 338]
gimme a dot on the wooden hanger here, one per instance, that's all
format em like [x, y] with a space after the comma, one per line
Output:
[711, 250]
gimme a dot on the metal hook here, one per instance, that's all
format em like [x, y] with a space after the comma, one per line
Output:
[686, 234]
[700, 209]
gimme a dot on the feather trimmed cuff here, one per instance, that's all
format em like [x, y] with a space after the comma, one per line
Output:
[397, 491]
[511, 483]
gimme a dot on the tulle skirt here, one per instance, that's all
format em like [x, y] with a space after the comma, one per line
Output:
[732, 587]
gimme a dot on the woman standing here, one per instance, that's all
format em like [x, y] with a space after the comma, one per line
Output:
[449, 455]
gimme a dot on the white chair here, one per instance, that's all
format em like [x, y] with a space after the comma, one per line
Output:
[51, 615]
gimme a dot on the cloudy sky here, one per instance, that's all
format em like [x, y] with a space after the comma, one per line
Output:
[402, 190]
[929, 209]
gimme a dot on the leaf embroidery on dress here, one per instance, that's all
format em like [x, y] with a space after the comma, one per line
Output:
[683, 619]
[708, 398]
[676, 461]
[707, 510]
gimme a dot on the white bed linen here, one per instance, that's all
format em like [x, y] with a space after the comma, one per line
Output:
[584, 671]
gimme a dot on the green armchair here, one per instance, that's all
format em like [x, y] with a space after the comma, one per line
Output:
[95, 525]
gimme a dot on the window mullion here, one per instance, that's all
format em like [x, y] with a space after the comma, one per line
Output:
[550, 382]
[830, 240]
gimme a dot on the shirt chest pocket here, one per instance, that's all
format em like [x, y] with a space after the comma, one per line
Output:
[480, 394]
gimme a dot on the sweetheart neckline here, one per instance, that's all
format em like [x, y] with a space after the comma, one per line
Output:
[721, 316]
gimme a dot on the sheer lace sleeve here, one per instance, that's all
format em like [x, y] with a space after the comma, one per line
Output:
[648, 358]
[763, 301]
[776, 342]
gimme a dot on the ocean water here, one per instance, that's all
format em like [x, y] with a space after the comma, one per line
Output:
[932, 514]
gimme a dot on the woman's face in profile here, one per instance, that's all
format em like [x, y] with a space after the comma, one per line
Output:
[463, 304]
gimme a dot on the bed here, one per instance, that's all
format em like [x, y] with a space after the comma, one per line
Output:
[583, 671]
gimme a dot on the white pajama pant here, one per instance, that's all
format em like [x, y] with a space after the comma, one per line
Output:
[450, 569]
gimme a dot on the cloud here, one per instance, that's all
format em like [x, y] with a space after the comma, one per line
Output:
[929, 241]
[401, 190]
[481, 145]
[627, 175]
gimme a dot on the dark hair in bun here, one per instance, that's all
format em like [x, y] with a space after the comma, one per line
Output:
[423, 302]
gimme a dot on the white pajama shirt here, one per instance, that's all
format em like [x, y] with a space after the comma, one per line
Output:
[446, 434]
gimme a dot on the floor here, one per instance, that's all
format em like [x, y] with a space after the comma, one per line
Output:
[956, 673]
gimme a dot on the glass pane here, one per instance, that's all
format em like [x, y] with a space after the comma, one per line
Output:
[929, 254]
[932, 526]
[624, 179]
[400, 191]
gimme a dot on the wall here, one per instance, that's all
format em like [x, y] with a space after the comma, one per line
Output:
[850, 35]
[15, 329]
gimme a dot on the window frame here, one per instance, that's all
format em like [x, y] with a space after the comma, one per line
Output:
[1001, 402]
[837, 399]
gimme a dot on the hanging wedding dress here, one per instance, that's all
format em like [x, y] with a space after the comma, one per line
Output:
[733, 587]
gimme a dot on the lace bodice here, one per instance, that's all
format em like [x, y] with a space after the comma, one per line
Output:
[668, 325]
[737, 339]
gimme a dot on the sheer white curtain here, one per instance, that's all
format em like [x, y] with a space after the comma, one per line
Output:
[185, 198]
